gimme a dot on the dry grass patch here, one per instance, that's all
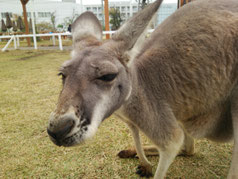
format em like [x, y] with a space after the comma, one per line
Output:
[29, 87]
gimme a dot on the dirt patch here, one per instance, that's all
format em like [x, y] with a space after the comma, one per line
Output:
[33, 54]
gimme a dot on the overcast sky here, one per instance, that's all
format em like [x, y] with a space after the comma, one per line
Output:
[99, 1]
[92, 1]
[85, 1]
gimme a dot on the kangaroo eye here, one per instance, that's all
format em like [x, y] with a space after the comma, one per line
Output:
[107, 77]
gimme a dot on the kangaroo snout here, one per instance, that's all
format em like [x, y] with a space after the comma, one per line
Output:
[59, 127]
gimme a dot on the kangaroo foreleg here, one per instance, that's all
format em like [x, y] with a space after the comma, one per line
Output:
[145, 168]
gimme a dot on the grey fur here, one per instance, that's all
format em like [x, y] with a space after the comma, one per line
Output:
[181, 84]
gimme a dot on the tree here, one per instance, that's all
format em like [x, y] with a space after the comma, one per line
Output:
[24, 2]
[20, 24]
[52, 19]
[142, 3]
[14, 26]
[4, 28]
[70, 20]
[30, 25]
[8, 21]
[115, 18]
[60, 27]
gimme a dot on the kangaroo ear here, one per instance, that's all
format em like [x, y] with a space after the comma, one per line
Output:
[86, 31]
[134, 27]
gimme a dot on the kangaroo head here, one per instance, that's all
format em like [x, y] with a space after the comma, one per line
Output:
[96, 81]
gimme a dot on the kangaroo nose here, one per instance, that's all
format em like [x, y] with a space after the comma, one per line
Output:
[61, 129]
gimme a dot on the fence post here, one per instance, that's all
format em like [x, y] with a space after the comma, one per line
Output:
[18, 42]
[60, 42]
[4, 48]
[53, 39]
[15, 43]
[35, 42]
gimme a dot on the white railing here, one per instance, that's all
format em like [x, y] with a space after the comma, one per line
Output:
[16, 38]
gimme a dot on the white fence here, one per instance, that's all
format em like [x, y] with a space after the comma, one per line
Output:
[16, 38]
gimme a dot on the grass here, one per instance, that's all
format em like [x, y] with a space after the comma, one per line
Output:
[29, 89]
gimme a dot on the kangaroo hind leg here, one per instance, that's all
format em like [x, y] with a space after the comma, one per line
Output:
[188, 148]
[233, 174]
[168, 153]
[149, 150]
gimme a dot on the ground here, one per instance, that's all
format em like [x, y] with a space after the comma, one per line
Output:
[29, 88]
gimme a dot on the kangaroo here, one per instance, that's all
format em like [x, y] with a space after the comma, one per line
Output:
[176, 85]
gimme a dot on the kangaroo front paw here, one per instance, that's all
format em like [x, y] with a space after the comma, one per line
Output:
[127, 153]
[144, 171]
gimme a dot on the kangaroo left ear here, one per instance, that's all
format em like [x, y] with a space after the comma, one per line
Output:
[131, 36]
[129, 32]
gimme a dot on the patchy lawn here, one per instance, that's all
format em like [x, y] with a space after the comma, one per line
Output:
[29, 87]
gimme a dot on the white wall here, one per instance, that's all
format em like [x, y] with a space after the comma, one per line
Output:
[61, 9]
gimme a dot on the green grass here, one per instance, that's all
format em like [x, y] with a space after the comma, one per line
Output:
[29, 89]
